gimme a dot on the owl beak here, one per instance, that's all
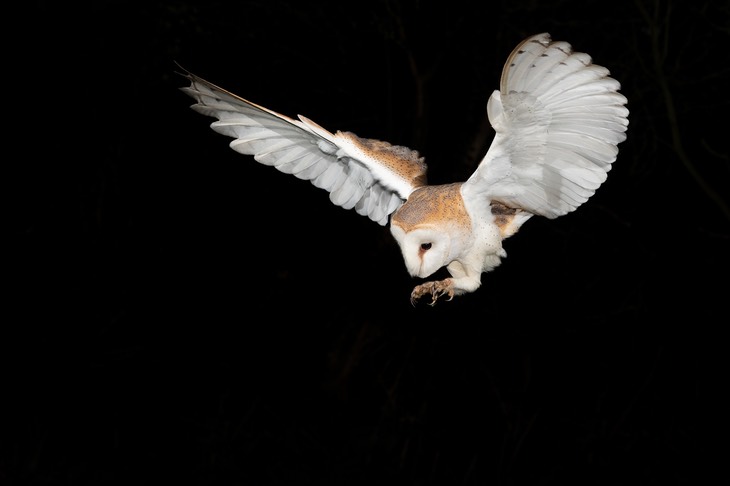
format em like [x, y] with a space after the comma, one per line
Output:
[420, 272]
[414, 268]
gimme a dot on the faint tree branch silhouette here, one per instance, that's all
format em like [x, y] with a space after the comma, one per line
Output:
[657, 15]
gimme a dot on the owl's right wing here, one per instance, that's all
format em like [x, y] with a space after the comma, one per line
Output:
[371, 176]
[558, 120]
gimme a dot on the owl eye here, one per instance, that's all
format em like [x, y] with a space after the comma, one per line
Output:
[425, 246]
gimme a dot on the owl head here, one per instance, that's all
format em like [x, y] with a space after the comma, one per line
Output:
[425, 248]
[430, 227]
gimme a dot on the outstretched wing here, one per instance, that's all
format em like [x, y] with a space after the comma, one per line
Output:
[371, 176]
[558, 120]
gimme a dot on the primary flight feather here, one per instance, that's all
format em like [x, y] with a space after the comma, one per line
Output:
[558, 119]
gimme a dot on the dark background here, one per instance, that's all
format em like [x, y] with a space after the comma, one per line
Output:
[179, 314]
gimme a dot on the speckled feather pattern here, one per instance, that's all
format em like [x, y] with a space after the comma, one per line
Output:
[391, 162]
[437, 205]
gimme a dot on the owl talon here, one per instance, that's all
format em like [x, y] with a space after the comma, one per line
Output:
[436, 289]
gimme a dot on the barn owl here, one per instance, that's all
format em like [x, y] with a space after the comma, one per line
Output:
[558, 119]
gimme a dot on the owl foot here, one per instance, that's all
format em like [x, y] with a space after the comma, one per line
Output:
[436, 289]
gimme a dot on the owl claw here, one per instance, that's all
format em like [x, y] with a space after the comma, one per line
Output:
[436, 289]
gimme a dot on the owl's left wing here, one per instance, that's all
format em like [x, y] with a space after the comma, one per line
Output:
[371, 176]
[558, 120]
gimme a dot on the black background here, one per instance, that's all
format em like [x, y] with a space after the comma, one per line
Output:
[179, 314]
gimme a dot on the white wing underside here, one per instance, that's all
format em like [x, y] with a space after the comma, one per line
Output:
[299, 147]
[558, 120]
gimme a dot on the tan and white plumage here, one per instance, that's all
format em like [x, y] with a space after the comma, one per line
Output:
[558, 120]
